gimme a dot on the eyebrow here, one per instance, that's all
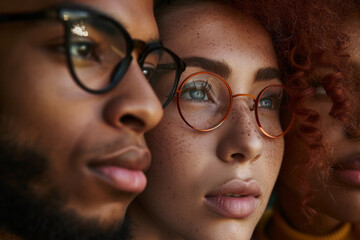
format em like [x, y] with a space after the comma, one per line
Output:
[220, 68]
[112, 29]
[153, 39]
[267, 73]
[224, 70]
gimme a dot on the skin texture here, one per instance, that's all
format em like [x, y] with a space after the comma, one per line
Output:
[44, 111]
[187, 164]
[336, 202]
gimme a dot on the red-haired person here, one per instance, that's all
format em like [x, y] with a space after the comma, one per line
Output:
[318, 190]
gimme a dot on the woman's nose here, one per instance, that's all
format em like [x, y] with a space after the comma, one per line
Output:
[241, 137]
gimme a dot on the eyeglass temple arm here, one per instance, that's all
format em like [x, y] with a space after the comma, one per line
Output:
[14, 17]
[172, 66]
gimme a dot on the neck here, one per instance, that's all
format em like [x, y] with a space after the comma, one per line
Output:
[144, 226]
[290, 208]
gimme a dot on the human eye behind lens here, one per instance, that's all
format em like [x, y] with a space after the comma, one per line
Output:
[150, 64]
[84, 50]
[148, 70]
[198, 91]
[271, 99]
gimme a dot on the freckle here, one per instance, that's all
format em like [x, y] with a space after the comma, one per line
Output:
[197, 230]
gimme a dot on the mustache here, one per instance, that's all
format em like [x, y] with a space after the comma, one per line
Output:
[32, 216]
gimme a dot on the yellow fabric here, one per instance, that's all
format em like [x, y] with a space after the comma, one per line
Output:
[273, 227]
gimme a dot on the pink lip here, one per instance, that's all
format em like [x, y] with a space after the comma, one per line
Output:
[348, 171]
[234, 199]
[123, 169]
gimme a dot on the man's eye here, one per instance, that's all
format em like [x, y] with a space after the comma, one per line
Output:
[148, 71]
[84, 51]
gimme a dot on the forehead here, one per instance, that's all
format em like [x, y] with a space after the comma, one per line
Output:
[218, 30]
[220, 33]
[135, 15]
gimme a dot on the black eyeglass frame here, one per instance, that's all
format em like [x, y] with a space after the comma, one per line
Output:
[63, 13]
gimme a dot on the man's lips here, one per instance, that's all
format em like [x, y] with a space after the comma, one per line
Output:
[348, 170]
[123, 169]
[234, 199]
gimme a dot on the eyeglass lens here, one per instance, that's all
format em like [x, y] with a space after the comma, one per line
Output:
[98, 48]
[272, 109]
[161, 70]
[204, 102]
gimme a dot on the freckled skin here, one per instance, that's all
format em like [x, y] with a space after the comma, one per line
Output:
[187, 164]
[336, 202]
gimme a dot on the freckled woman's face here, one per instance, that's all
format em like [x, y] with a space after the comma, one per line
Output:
[214, 185]
[340, 199]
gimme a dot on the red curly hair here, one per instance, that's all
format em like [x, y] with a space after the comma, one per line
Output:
[308, 35]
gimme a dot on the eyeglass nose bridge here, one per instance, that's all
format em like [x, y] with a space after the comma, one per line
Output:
[251, 107]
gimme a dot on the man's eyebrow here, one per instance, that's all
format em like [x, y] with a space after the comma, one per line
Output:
[267, 73]
[153, 39]
[113, 30]
[218, 67]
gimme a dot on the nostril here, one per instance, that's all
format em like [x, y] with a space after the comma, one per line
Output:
[237, 156]
[133, 122]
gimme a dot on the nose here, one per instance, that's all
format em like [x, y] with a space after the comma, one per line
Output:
[241, 140]
[133, 103]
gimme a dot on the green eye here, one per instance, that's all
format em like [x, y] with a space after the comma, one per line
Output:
[198, 94]
[196, 91]
[266, 103]
[271, 100]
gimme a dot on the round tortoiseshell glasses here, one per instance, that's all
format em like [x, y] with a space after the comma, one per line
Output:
[204, 101]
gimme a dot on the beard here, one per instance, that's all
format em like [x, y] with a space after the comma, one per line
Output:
[33, 217]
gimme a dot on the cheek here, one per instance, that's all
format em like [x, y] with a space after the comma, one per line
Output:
[172, 170]
[274, 149]
[168, 144]
[270, 164]
[274, 162]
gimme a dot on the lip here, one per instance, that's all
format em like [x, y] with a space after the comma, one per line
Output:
[123, 169]
[348, 170]
[234, 199]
